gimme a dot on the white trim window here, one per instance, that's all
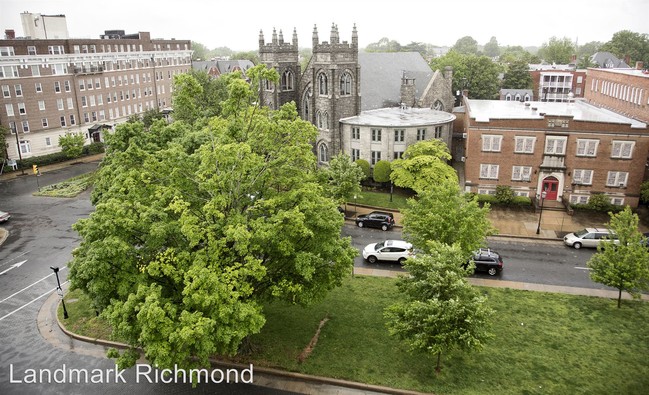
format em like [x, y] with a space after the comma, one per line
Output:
[524, 144]
[582, 177]
[18, 88]
[41, 105]
[399, 135]
[59, 104]
[356, 154]
[489, 171]
[617, 179]
[555, 145]
[376, 135]
[421, 134]
[9, 108]
[6, 92]
[579, 199]
[22, 110]
[38, 87]
[356, 133]
[586, 147]
[25, 148]
[617, 201]
[622, 149]
[486, 191]
[521, 173]
[376, 156]
[522, 193]
[491, 143]
[44, 122]
[7, 51]
[36, 70]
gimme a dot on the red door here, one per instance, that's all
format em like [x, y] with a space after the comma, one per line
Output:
[551, 188]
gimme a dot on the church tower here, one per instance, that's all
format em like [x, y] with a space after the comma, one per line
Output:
[330, 89]
[283, 57]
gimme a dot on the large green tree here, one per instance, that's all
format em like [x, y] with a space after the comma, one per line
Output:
[441, 213]
[200, 51]
[557, 50]
[624, 267]
[627, 43]
[517, 76]
[195, 226]
[491, 49]
[72, 144]
[442, 311]
[384, 45]
[423, 164]
[466, 45]
[477, 74]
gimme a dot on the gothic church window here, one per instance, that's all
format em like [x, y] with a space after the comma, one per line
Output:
[268, 85]
[322, 120]
[306, 104]
[322, 84]
[287, 80]
[322, 153]
[345, 84]
[438, 106]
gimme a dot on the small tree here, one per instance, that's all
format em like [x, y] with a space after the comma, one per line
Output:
[423, 164]
[71, 145]
[442, 310]
[365, 166]
[344, 178]
[382, 171]
[644, 192]
[624, 266]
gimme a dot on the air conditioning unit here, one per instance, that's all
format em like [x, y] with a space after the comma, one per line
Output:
[621, 185]
[463, 159]
[465, 135]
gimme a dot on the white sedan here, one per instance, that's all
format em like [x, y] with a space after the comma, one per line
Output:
[389, 250]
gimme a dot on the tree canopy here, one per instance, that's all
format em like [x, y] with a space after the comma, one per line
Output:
[195, 226]
[423, 164]
[442, 214]
[625, 266]
[491, 49]
[344, 178]
[517, 76]
[478, 74]
[466, 45]
[556, 50]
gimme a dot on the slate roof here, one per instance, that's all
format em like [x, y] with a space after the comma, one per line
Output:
[224, 66]
[602, 58]
[381, 74]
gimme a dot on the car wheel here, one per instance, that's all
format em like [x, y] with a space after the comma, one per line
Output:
[577, 245]
[372, 259]
[384, 227]
[492, 271]
[402, 261]
[360, 224]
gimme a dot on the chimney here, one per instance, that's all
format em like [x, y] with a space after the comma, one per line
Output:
[408, 90]
[627, 59]
[10, 34]
[639, 65]
[573, 58]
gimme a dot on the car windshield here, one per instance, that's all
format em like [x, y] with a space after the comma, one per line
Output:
[379, 246]
[581, 233]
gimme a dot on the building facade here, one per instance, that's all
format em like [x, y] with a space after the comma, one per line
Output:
[557, 84]
[53, 87]
[331, 86]
[384, 134]
[569, 150]
[625, 91]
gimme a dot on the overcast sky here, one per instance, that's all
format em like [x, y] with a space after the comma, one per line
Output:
[236, 24]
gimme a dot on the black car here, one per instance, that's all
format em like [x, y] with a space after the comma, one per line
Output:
[487, 260]
[376, 219]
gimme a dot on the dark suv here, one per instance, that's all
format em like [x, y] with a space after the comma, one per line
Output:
[488, 261]
[376, 219]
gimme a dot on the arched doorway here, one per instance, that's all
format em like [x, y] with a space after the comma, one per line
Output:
[551, 187]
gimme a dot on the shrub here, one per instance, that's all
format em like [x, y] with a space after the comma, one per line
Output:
[71, 145]
[504, 195]
[598, 202]
[93, 148]
[382, 171]
[365, 165]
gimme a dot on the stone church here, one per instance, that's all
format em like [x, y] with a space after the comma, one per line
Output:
[336, 78]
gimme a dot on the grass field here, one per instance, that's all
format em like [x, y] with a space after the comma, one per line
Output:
[544, 343]
[68, 188]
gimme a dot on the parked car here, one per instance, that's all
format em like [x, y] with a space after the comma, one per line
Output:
[4, 216]
[376, 219]
[589, 237]
[487, 260]
[389, 250]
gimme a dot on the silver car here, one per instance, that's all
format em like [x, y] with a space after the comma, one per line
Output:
[589, 237]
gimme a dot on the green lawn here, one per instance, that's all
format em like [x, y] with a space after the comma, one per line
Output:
[68, 188]
[544, 343]
[381, 199]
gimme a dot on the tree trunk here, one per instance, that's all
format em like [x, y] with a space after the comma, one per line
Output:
[619, 297]
[438, 368]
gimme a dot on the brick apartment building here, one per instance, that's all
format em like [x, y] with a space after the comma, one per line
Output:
[571, 150]
[54, 86]
[625, 91]
[556, 83]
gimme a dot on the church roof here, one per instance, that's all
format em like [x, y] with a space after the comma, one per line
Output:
[381, 74]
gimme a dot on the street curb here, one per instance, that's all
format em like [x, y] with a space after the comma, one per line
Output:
[257, 369]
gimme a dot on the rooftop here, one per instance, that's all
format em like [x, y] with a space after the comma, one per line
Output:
[484, 110]
[626, 71]
[397, 117]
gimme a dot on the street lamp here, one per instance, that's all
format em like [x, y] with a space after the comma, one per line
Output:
[543, 195]
[59, 290]
[354, 205]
